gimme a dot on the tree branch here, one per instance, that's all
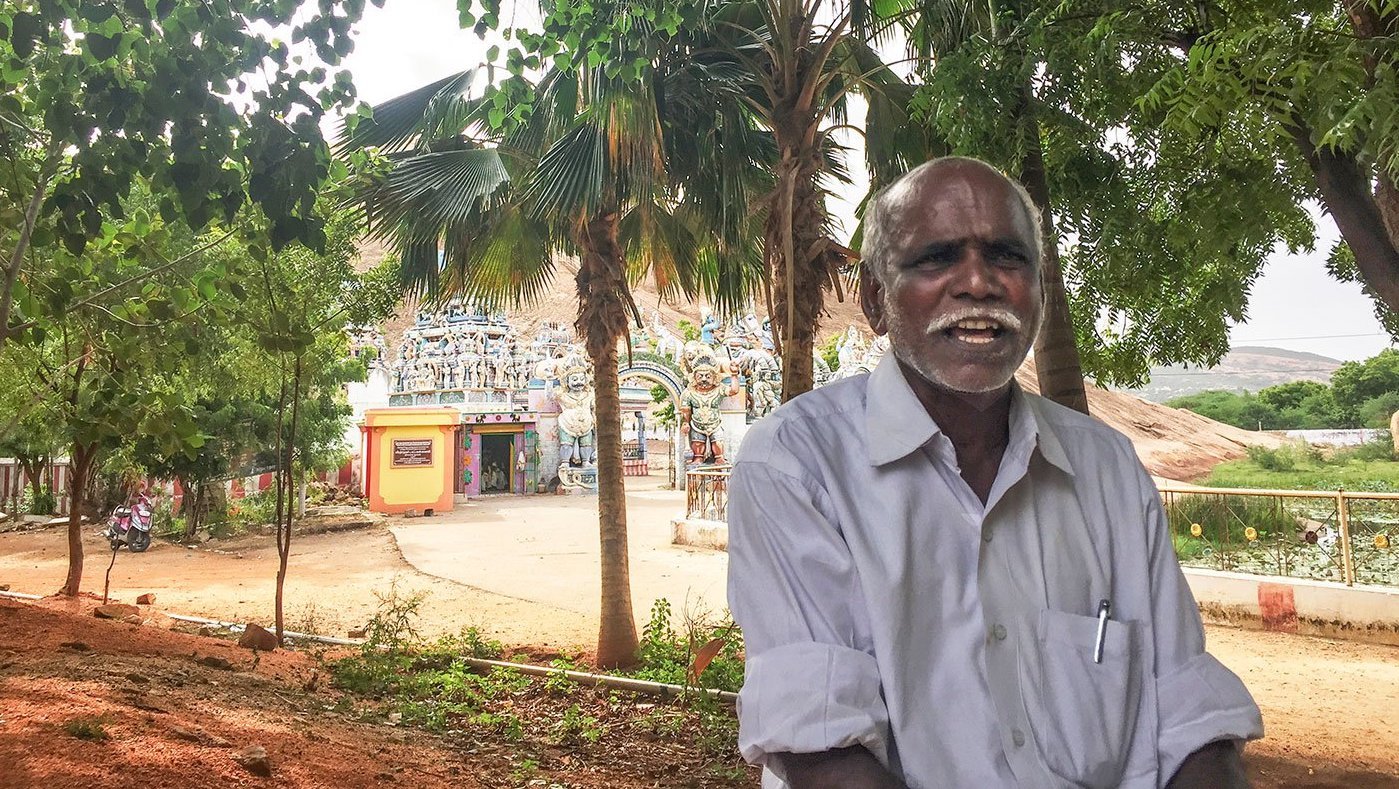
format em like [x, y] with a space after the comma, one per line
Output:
[1345, 188]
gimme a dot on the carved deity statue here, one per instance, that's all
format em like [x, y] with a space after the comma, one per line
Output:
[577, 422]
[700, 417]
[765, 398]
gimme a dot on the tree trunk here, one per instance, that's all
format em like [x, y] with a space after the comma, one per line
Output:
[602, 321]
[1345, 187]
[286, 481]
[801, 264]
[1057, 364]
[79, 467]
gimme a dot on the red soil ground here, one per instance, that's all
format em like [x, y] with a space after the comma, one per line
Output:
[173, 721]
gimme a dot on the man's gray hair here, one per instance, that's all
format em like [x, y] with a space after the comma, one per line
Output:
[874, 249]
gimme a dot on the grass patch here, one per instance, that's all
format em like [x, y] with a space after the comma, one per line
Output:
[399, 677]
[90, 728]
[1362, 468]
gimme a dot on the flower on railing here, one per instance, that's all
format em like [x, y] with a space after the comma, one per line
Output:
[1196, 530]
[1251, 534]
[1381, 541]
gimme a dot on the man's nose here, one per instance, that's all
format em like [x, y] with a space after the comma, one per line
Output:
[976, 277]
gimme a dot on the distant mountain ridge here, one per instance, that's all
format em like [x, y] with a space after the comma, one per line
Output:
[1246, 368]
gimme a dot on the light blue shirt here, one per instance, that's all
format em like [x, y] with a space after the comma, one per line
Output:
[883, 605]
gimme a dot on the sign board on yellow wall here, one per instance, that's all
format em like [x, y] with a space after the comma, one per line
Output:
[412, 452]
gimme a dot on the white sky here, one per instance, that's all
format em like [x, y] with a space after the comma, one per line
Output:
[1295, 304]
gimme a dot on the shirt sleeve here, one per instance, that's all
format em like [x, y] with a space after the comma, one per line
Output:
[811, 682]
[1198, 700]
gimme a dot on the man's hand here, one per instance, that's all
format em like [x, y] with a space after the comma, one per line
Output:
[844, 768]
[1215, 766]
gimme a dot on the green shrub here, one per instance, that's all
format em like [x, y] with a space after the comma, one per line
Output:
[1379, 448]
[665, 656]
[250, 512]
[42, 503]
[1284, 458]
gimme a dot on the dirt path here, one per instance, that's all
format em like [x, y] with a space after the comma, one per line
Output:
[1330, 707]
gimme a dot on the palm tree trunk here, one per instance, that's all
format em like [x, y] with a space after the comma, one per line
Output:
[1057, 364]
[800, 265]
[602, 321]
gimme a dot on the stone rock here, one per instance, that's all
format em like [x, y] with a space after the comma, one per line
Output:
[214, 661]
[76, 646]
[116, 611]
[139, 679]
[133, 619]
[357, 633]
[146, 599]
[257, 637]
[254, 759]
[4, 587]
[189, 735]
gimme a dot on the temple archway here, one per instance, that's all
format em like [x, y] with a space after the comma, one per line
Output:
[668, 379]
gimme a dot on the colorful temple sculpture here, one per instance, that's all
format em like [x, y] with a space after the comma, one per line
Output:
[519, 406]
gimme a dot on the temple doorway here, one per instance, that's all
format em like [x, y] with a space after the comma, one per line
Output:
[497, 463]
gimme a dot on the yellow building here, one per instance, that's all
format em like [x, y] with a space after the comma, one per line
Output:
[410, 458]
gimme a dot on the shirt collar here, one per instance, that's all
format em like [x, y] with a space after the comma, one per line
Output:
[896, 424]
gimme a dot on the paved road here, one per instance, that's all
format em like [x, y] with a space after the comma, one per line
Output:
[545, 550]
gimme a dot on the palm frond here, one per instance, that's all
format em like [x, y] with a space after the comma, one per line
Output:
[568, 181]
[435, 190]
[435, 111]
[659, 244]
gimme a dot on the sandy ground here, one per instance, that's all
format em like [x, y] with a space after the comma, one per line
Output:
[524, 571]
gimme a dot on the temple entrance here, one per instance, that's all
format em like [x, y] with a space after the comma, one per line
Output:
[650, 437]
[497, 463]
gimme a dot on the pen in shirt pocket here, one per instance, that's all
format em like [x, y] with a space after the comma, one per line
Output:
[1104, 611]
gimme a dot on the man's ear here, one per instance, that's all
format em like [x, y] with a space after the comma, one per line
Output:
[872, 298]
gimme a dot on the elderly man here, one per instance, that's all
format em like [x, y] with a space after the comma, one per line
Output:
[946, 582]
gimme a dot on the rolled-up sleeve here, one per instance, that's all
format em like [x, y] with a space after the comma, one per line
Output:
[811, 681]
[1198, 699]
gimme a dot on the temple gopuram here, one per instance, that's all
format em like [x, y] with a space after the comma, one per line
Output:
[468, 405]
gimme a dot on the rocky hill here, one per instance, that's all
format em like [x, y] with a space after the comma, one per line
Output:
[1246, 368]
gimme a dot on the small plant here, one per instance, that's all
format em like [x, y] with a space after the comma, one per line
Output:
[393, 626]
[89, 728]
[524, 771]
[575, 728]
[478, 646]
[506, 724]
[666, 657]
[558, 682]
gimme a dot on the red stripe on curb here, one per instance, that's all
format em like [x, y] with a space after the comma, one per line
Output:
[1278, 607]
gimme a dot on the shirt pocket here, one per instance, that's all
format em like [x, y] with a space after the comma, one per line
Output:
[1082, 714]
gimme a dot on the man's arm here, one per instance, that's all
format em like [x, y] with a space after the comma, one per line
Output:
[843, 768]
[1218, 765]
[812, 684]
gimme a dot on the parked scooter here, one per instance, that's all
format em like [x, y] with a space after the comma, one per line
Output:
[131, 525]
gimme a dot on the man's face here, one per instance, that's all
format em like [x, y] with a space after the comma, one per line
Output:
[960, 298]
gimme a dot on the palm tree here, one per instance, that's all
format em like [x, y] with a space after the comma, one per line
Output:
[798, 61]
[596, 172]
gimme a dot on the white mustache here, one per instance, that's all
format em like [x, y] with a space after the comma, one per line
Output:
[1008, 320]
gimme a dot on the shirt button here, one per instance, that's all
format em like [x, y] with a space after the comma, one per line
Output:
[1018, 737]
[986, 536]
[999, 631]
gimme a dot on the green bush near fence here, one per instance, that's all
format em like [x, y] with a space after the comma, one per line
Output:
[1224, 522]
